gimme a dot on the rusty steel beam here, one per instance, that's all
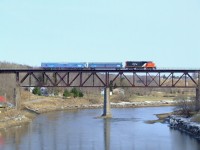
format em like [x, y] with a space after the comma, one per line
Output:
[103, 78]
[146, 81]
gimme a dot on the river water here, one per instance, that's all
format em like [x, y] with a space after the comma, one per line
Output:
[82, 130]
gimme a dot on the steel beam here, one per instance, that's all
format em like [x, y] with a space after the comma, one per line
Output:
[103, 78]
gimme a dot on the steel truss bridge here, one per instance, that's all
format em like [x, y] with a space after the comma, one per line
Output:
[106, 78]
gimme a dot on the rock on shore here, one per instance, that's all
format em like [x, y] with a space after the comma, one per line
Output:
[185, 125]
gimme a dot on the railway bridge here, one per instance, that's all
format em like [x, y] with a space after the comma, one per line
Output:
[107, 79]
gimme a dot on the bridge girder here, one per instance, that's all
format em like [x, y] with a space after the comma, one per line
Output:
[107, 78]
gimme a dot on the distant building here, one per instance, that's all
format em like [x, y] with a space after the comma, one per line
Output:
[31, 89]
[2, 101]
[44, 91]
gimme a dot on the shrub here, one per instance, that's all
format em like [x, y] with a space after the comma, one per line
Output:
[37, 91]
[185, 106]
[66, 93]
[81, 94]
[76, 93]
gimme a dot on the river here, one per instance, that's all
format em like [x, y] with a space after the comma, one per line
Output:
[82, 130]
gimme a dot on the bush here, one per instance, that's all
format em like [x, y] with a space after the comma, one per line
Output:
[80, 94]
[37, 91]
[66, 93]
[185, 106]
[76, 93]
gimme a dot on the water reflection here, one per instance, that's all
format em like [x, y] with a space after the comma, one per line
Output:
[1, 141]
[11, 138]
[183, 141]
[107, 134]
[79, 130]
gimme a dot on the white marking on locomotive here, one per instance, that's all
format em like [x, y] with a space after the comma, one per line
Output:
[144, 65]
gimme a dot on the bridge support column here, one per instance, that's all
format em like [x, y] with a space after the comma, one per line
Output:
[106, 107]
[197, 99]
[198, 94]
[17, 98]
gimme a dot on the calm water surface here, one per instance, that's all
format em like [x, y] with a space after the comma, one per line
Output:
[81, 130]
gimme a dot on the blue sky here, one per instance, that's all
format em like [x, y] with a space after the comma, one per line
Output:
[164, 31]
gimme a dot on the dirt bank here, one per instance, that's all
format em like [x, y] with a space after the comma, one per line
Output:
[13, 117]
[46, 105]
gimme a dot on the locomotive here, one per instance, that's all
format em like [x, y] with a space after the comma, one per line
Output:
[140, 65]
[134, 65]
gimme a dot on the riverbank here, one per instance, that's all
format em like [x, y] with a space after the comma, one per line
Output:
[13, 117]
[185, 125]
[47, 105]
[30, 109]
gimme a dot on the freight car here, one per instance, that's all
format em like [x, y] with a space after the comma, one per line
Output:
[149, 65]
[105, 65]
[70, 65]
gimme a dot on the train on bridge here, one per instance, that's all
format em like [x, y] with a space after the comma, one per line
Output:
[143, 65]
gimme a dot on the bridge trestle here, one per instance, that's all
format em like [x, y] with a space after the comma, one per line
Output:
[102, 78]
[107, 78]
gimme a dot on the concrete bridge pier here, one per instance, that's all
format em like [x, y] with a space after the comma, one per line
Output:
[17, 98]
[106, 107]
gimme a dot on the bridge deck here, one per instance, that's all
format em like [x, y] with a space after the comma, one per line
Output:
[167, 78]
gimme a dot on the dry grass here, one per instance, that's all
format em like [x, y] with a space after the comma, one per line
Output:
[50, 104]
[13, 117]
[150, 98]
[196, 117]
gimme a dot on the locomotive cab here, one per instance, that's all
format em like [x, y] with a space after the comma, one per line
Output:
[150, 65]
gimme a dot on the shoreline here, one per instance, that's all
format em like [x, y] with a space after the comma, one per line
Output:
[185, 125]
[161, 103]
[16, 118]
[13, 117]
